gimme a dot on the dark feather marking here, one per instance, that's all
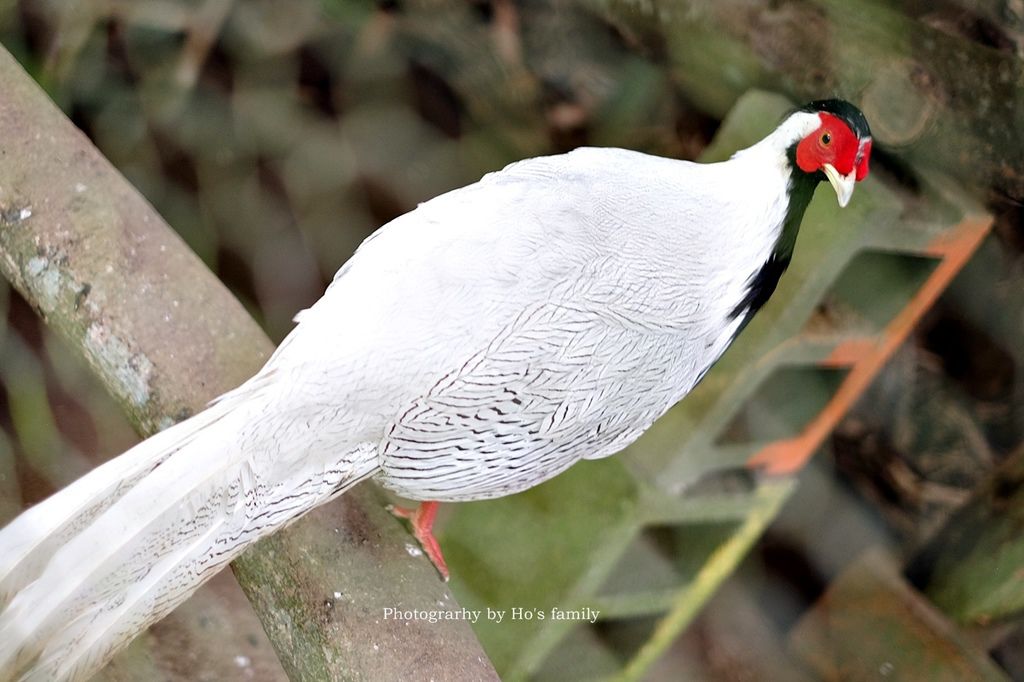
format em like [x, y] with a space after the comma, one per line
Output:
[762, 284]
[844, 110]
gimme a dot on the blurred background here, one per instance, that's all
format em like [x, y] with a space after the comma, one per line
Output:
[275, 136]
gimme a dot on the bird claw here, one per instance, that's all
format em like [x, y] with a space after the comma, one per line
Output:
[422, 521]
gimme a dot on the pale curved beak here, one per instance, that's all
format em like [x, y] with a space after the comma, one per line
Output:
[842, 184]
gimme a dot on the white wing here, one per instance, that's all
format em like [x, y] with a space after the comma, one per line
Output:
[578, 284]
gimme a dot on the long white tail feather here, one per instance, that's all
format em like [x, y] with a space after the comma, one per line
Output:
[148, 599]
[126, 544]
[30, 540]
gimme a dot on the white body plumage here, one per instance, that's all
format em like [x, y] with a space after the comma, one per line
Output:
[472, 348]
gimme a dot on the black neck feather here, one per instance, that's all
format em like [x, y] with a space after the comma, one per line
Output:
[763, 282]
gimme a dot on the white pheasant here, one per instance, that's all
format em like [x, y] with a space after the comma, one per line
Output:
[470, 349]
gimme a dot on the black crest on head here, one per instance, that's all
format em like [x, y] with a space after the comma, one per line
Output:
[844, 110]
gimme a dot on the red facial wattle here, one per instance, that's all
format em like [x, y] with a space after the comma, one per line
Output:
[834, 143]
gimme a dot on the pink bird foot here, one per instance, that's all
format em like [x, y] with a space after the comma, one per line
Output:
[422, 521]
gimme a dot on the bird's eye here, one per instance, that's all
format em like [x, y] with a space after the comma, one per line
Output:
[826, 139]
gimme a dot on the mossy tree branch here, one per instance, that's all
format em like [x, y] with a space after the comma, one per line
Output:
[164, 336]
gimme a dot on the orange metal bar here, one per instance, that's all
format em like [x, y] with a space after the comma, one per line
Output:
[850, 352]
[867, 356]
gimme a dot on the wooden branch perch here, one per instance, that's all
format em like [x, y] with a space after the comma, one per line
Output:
[104, 270]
